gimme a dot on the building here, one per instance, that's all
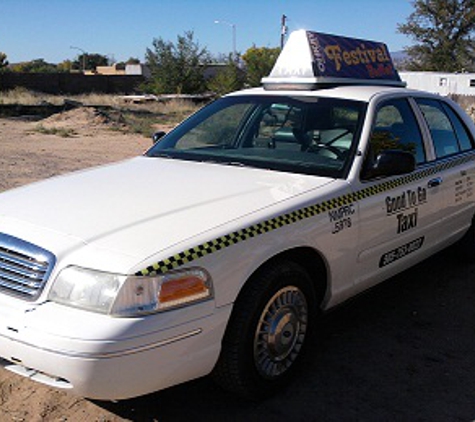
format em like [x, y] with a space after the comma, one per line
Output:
[130, 69]
[440, 82]
[138, 70]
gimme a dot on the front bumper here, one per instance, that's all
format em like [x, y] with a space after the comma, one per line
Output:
[106, 358]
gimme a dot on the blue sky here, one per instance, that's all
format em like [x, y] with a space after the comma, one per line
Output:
[32, 29]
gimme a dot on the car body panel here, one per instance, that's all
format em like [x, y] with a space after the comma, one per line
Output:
[160, 215]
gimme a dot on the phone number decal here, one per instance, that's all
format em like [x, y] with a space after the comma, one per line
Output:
[401, 252]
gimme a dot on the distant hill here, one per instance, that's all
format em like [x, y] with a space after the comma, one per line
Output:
[399, 55]
[400, 59]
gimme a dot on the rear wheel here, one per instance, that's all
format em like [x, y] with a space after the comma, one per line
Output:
[267, 332]
[465, 247]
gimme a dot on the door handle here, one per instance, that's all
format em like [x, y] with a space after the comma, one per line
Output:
[434, 182]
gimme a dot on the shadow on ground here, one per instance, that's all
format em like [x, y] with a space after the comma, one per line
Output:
[403, 351]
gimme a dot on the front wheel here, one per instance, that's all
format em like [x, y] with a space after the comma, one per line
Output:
[267, 332]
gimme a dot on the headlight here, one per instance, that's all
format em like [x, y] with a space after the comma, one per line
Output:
[126, 296]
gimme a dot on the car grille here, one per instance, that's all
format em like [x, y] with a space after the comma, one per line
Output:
[24, 267]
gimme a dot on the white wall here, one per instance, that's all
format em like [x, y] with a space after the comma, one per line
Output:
[440, 83]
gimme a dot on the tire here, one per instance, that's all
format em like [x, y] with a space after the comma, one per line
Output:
[465, 247]
[267, 332]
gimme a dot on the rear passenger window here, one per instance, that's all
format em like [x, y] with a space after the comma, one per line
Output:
[396, 128]
[463, 135]
[448, 133]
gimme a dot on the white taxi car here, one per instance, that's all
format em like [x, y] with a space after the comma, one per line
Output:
[215, 251]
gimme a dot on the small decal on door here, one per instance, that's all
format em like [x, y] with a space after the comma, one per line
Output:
[340, 218]
[401, 252]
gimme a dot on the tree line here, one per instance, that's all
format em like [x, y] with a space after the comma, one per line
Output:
[441, 31]
[82, 62]
[176, 67]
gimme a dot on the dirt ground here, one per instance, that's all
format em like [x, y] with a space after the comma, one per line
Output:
[405, 351]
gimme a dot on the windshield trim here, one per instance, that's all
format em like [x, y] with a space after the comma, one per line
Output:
[160, 149]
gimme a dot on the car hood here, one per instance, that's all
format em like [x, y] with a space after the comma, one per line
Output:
[144, 205]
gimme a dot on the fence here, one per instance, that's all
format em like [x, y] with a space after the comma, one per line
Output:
[71, 83]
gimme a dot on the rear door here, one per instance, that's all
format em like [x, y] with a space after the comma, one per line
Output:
[454, 161]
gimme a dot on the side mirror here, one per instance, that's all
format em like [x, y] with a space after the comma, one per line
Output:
[158, 135]
[392, 162]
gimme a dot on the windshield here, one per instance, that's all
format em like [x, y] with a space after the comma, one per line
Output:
[301, 135]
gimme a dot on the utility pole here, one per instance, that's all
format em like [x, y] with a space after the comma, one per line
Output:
[283, 31]
[233, 26]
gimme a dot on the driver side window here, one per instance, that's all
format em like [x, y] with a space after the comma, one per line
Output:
[395, 128]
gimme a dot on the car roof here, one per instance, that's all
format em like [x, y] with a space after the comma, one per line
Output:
[313, 64]
[348, 92]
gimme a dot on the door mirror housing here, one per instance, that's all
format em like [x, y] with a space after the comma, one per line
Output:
[392, 163]
[158, 135]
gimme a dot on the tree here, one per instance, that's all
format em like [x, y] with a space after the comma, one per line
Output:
[133, 60]
[259, 63]
[3, 61]
[442, 32]
[90, 61]
[228, 79]
[65, 66]
[34, 66]
[177, 68]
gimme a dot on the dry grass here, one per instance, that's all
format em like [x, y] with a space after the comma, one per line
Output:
[136, 118]
[464, 101]
[148, 118]
[58, 131]
[22, 96]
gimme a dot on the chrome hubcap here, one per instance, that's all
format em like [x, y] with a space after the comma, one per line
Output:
[280, 332]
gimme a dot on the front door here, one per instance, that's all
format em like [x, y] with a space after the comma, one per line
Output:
[399, 213]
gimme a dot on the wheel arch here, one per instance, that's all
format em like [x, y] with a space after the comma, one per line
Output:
[309, 259]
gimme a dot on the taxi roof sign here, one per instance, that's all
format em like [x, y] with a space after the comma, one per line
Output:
[312, 59]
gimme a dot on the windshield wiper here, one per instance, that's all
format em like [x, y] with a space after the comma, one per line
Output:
[234, 163]
[161, 155]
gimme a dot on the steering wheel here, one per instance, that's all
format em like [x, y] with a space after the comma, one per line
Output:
[334, 150]
[339, 136]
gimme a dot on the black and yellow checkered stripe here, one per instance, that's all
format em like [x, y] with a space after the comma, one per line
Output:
[267, 226]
